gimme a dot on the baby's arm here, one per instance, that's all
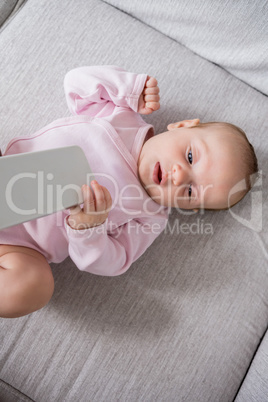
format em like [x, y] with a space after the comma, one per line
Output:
[98, 90]
[95, 249]
[149, 98]
[108, 251]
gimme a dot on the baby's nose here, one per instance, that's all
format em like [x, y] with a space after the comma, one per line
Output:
[178, 175]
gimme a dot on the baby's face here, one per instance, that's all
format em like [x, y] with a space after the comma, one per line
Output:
[190, 168]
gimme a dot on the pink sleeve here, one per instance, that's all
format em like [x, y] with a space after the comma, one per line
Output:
[100, 253]
[97, 90]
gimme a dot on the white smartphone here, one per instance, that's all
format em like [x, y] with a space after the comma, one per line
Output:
[37, 184]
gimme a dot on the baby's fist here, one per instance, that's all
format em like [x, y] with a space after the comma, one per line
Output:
[97, 204]
[149, 99]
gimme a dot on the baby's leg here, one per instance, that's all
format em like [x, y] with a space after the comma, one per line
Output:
[26, 281]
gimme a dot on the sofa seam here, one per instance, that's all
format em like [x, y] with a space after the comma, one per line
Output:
[11, 11]
[250, 364]
[186, 47]
[12, 15]
[14, 391]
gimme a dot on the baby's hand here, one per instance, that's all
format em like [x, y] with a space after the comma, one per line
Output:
[97, 204]
[149, 99]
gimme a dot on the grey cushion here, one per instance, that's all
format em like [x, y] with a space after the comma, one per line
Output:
[231, 33]
[10, 394]
[255, 385]
[6, 7]
[184, 322]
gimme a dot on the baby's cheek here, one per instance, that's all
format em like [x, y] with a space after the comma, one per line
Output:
[165, 196]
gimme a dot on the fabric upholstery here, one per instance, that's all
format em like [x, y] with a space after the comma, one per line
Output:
[255, 385]
[6, 7]
[185, 321]
[232, 34]
[10, 394]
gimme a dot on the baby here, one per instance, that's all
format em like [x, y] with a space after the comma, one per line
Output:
[138, 177]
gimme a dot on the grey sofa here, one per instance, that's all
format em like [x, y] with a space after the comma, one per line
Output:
[188, 321]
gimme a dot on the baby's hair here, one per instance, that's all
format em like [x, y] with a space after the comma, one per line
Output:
[247, 153]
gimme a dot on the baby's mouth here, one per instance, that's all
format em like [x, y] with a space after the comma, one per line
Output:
[160, 175]
[157, 173]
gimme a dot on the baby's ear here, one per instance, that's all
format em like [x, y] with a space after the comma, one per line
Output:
[183, 123]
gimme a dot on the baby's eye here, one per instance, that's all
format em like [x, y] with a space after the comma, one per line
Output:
[190, 191]
[190, 157]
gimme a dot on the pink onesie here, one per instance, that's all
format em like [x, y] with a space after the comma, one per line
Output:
[104, 101]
